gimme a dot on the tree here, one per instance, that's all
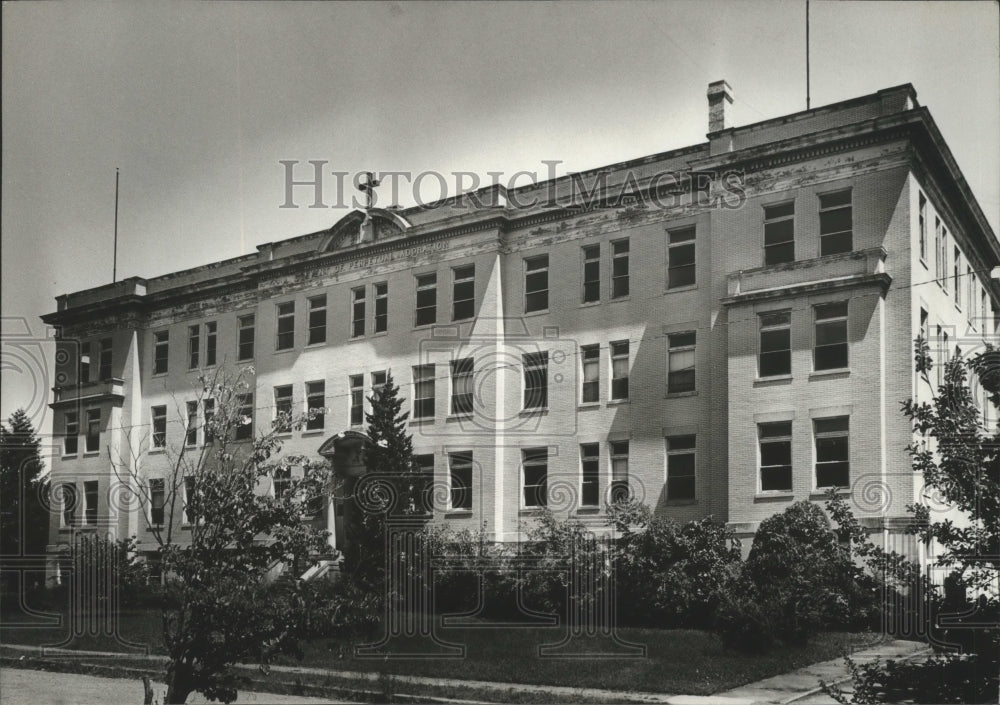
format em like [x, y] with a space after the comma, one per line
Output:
[958, 457]
[245, 511]
[24, 521]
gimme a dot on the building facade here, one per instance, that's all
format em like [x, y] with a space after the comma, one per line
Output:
[719, 330]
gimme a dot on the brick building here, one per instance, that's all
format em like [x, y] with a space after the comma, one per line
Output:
[720, 330]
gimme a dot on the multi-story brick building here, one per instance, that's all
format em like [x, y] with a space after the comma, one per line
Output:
[722, 329]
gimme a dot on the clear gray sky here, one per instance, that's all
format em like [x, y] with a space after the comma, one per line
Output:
[197, 103]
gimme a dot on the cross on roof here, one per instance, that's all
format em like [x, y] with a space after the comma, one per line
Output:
[368, 186]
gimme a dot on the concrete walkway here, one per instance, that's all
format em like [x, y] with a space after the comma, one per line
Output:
[799, 686]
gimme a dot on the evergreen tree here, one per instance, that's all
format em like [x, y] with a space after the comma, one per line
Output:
[24, 522]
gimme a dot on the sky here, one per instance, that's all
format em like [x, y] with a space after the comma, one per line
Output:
[197, 105]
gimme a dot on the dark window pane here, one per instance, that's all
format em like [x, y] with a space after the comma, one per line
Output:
[831, 449]
[776, 363]
[831, 357]
[779, 254]
[682, 255]
[681, 381]
[681, 276]
[778, 453]
[835, 244]
[833, 475]
[780, 232]
[776, 478]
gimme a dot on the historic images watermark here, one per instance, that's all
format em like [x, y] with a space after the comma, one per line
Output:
[313, 184]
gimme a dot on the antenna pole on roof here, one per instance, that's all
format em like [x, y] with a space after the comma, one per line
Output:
[807, 54]
[114, 262]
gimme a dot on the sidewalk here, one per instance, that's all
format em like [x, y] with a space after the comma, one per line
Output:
[799, 686]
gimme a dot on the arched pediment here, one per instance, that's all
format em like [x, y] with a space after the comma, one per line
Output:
[358, 227]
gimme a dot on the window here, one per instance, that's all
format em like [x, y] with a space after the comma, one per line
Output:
[591, 273]
[357, 312]
[830, 345]
[194, 346]
[93, 439]
[775, 355]
[286, 326]
[104, 361]
[833, 468]
[460, 479]
[90, 493]
[536, 283]
[681, 467]
[69, 502]
[378, 381]
[835, 223]
[956, 273]
[681, 258]
[619, 370]
[317, 320]
[680, 363]
[590, 357]
[191, 436]
[315, 405]
[244, 422]
[84, 363]
[159, 415]
[464, 293]
[357, 384]
[283, 408]
[157, 501]
[461, 386]
[619, 471]
[941, 355]
[423, 391]
[161, 350]
[381, 307]
[619, 269]
[590, 490]
[535, 462]
[983, 308]
[189, 491]
[775, 456]
[536, 379]
[245, 338]
[280, 481]
[423, 496]
[922, 227]
[426, 299]
[925, 332]
[209, 408]
[71, 438]
[943, 258]
[971, 298]
[779, 233]
[210, 343]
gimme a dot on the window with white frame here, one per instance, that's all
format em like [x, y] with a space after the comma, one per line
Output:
[939, 266]
[775, 348]
[93, 438]
[104, 359]
[681, 467]
[462, 386]
[208, 408]
[283, 408]
[423, 391]
[836, 215]
[71, 433]
[535, 467]
[619, 470]
[161, 351]
[90, 495]
[832, 437]
[956, 274]
[157, 501]
[68, 504]
[590, 359]
[159, 416]
[591, 273]
[245, 413]
[463, 305]
[943, 256]
[460, 480]
[211, 342]
[190, 487]
[536, 283]
[830, 348]
[379, 379]
[245, 338]
[775, 441]
[191, 433]
[922, 227]
[285, 339]
[357, 312]
[681, 270]
[422, 495]
[317, 320]
[194, 346]
[357, 399]
[779, 233]
[315, 405]
[619, 268]
[381, 307]
[84, 363]
[681, 362]
[426, 299]
[536, 379]
[619, 370]
[590, 474]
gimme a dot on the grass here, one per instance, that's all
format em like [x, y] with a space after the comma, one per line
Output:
[677, 661]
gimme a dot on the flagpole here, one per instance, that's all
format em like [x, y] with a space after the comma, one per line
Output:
[807, 54]
[114, 264]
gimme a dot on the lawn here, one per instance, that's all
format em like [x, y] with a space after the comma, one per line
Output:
[677, 661]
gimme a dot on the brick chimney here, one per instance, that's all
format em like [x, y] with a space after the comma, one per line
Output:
[719, 95]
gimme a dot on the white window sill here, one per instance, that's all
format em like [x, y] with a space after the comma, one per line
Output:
[589, 509]
[68, 456]
[839, 372]
[540, 411]
[157, 451]
[458, 514]
[160, 374]
[677, 395]
[617, 402]
[675, 289]
[680, 502]
[459, 417]
[584, 405]
[529, 511]
[774, 495]
[284, 350]
[91, 453]
[314, 346]
[618, 299]
[313, 432]
[776, 379]
[540, 312]
[820, 492]
[590, 304]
